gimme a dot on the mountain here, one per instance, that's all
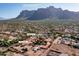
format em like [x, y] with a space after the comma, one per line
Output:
[49, 12]
[26, 14]
[1, 18]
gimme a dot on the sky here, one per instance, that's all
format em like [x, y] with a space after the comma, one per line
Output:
[11, 10]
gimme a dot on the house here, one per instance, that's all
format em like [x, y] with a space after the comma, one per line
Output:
[66, 40]
[57, 40]
[14, 33]
[67, 35]
[75, 45]
[24, 42]
[7, 32]
[12, 37]
[31, 34]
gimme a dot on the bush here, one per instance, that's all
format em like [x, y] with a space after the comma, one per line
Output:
[72, 37]
[6, 43]
[39, 43]
[2, 54]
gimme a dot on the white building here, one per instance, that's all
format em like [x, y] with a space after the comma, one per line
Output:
[31, 34]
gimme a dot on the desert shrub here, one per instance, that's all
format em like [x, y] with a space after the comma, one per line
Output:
[72, 37]
[2, 54]
[39, 43]
[4, 43]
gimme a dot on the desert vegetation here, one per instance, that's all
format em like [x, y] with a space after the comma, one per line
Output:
[13, 36]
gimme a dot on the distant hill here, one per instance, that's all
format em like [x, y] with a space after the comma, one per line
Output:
[1, 18]
[48, 13]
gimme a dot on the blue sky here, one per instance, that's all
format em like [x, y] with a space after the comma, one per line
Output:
[11, 10]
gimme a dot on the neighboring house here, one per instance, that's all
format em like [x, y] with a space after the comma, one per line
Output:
[7, 32]
[76, 45]
[31, 34]
[13, 33]
[24, 42]
[12, 37]
[66, 40]
[67, 35]
[57, 40]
